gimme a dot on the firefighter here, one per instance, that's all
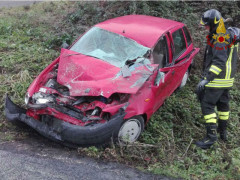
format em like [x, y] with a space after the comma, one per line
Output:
[219, 67]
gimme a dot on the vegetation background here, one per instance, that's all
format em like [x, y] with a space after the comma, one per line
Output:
[31, 36]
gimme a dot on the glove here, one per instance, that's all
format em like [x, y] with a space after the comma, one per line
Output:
[200, 88]
[201, 85]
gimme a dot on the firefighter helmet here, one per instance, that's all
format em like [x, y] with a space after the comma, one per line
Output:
[211, 18]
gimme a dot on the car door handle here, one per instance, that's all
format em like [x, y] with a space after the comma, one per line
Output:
[173, 72]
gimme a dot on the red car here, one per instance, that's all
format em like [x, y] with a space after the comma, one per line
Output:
[109, 82]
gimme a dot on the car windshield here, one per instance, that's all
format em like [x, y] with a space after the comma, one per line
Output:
[110, 47]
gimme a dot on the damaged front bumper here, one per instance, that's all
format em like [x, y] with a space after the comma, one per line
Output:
[65, 132]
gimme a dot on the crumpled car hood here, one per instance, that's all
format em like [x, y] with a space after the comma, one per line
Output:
[89, 76]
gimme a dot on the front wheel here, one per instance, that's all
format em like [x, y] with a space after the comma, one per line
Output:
[130, 130]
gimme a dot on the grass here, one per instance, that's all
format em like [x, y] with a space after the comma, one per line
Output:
[30, 38]
[24, 48]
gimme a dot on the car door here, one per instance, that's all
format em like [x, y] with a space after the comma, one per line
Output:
[182, 56]
[179, 59]
[162, 55]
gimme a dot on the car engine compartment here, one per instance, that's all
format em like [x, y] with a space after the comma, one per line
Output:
[54, 99]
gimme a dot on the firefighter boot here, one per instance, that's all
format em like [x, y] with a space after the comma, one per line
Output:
[210, 138]
[222, 129]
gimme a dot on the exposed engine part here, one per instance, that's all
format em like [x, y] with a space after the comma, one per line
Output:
[64, 100]
[125, 106]
[51, 83]
[104, 100]
[89, 112]
[82, 108]
[69, 110]
[121, 98]
[90, 99]
[96, 111]
[63, 90]
[73, 114]
[79, 101]
[73, 108]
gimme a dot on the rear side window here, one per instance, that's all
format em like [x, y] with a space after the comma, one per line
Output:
[179, 43]
[189, 41]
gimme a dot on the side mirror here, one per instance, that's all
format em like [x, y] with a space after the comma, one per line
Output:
[160, 77]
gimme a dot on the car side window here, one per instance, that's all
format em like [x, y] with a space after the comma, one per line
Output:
[160, 52]
[179, 43]
[188, 37]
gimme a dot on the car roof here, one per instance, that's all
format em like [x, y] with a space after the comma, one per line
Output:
[145, 30]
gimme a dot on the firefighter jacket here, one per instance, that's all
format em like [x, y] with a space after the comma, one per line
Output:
[220, 60]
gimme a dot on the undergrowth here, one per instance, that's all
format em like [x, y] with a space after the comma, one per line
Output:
[30, 38]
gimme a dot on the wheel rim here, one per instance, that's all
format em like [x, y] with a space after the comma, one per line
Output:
[130, 131]
[184, 80]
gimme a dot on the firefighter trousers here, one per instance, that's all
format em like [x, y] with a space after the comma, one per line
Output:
[212, 98]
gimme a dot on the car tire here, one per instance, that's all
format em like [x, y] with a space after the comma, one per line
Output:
[184, 79]
[130, 130]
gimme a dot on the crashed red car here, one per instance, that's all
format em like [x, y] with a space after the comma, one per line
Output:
[109, 82]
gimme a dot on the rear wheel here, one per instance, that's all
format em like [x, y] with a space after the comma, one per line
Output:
[130, 130]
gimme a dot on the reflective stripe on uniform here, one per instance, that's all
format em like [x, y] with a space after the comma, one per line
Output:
[223, 115]
[216, 70]
[229, 64]
[236, 46]
[220, 113]
[221, 83]
[213, 115]
[201, 22]
[227, 82]
[211, 121]
[223, 80]
[211, 118]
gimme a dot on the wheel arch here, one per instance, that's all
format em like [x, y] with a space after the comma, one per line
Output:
[145, 117]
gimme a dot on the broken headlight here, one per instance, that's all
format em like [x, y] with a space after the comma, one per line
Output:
[40, 98]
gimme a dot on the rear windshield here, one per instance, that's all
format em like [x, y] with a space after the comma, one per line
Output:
[110, 47]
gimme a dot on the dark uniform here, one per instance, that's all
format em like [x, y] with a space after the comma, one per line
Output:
[219, 68]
